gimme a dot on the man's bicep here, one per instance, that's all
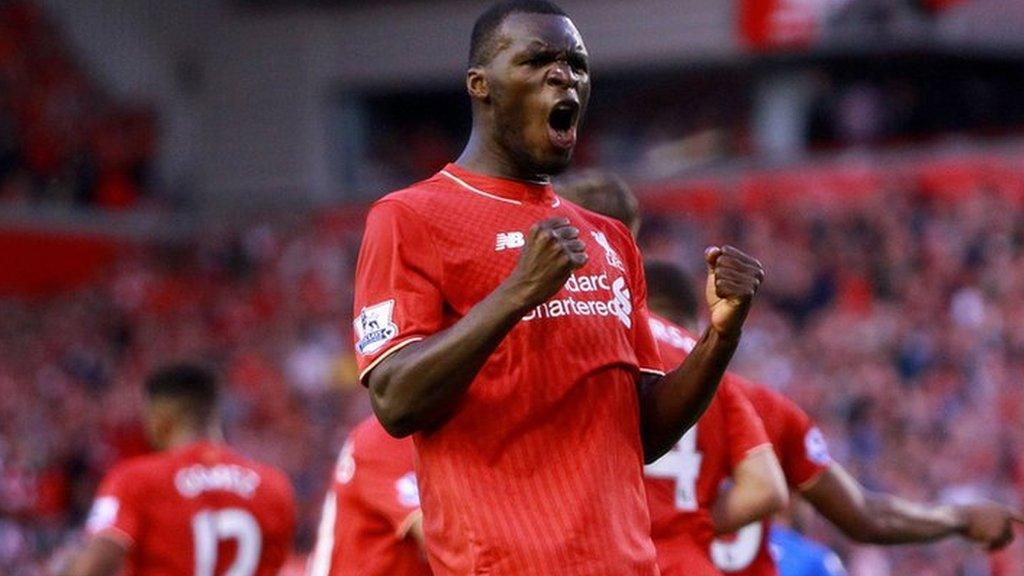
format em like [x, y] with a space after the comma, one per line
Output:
[398, 297]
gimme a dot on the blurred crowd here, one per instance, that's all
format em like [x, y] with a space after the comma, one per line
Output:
[894, 314]
[62, 139]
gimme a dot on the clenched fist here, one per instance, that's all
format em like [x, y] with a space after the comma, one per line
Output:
[552, 252]
[733, 279]
[989, 524]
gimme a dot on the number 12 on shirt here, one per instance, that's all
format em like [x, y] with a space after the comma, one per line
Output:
[681, 464]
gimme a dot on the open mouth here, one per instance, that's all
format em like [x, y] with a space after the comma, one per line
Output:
[562, 124]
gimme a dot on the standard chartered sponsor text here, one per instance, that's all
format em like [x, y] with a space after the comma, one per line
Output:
[619, 305]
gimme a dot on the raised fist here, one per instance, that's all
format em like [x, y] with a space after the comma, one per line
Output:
[733, 279]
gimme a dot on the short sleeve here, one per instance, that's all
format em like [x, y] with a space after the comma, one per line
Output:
[745, 430]
[805, 454]
[398, 285]
[115, 512]
[284, 518]
[387, 485]
[644, 345]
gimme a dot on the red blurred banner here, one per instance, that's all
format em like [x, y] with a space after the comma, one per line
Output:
[34, 263]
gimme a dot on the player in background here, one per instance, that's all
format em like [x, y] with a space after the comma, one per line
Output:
[729, 440]
[371, 523]
[196, 508]
[506, 330]
[862, 515]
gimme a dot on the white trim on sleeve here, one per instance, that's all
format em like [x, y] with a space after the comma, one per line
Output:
[388, 352]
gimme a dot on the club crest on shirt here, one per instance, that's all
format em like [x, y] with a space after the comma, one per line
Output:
[408, 491]
[610, 255]
[374, 327]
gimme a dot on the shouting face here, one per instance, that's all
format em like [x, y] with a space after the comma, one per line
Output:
[535, 90]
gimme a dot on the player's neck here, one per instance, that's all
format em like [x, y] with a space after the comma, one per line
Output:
[187, 436]
[485, 156]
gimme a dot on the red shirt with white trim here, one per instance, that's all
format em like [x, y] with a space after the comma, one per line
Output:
[539, 469]
[684, 484]
[200, 509]
[370, 508]
[803, 454]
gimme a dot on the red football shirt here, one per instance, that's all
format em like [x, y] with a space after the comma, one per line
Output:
[683, 485]
[539, 471]
[370, 508]
[803, 453]
[200, 509]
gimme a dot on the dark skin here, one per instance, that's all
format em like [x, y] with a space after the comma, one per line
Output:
[878, 518]
[541, 61]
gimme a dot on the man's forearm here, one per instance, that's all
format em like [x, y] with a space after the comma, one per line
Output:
[894, 520]
[670, 405]
[878, 518]
[420, 386]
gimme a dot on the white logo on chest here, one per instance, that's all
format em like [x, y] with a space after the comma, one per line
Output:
[509, 240]
[610, 255]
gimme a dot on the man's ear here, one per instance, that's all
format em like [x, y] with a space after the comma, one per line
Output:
[477, 85]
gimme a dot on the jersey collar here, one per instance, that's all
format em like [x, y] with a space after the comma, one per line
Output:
[505, 190]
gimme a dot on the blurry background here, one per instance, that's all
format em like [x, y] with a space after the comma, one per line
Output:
[188, 179]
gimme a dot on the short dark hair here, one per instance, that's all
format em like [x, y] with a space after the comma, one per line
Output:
[669, 283]
[193, 385]
[602, 192]
[483, 42]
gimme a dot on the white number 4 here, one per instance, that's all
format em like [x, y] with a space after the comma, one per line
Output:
[209, 527]
[682, 464]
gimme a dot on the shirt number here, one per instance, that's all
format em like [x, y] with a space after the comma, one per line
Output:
[681, 464]
[738, 554]
[209, 527]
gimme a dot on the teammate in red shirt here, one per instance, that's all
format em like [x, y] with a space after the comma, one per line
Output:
[194, 509]
[684, 486]
[864, 516]
[371, 523]
[507, 330]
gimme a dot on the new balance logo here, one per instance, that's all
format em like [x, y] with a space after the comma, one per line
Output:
[508, 240]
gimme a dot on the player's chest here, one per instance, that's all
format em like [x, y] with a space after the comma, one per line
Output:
[479, 258]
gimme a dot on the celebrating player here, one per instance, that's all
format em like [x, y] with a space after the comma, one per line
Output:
[196, 508]
[371, 523]
[508, 330]
[801, 449]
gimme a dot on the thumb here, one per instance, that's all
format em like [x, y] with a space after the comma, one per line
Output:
[711, 254]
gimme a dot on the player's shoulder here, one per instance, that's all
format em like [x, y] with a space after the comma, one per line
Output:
[140, 469]
[430, 194]
[770, 401]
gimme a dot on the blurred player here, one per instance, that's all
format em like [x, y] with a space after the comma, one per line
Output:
[862, 515]
[371, 523]
[729, 440]
[508, 330]
[194, 509]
